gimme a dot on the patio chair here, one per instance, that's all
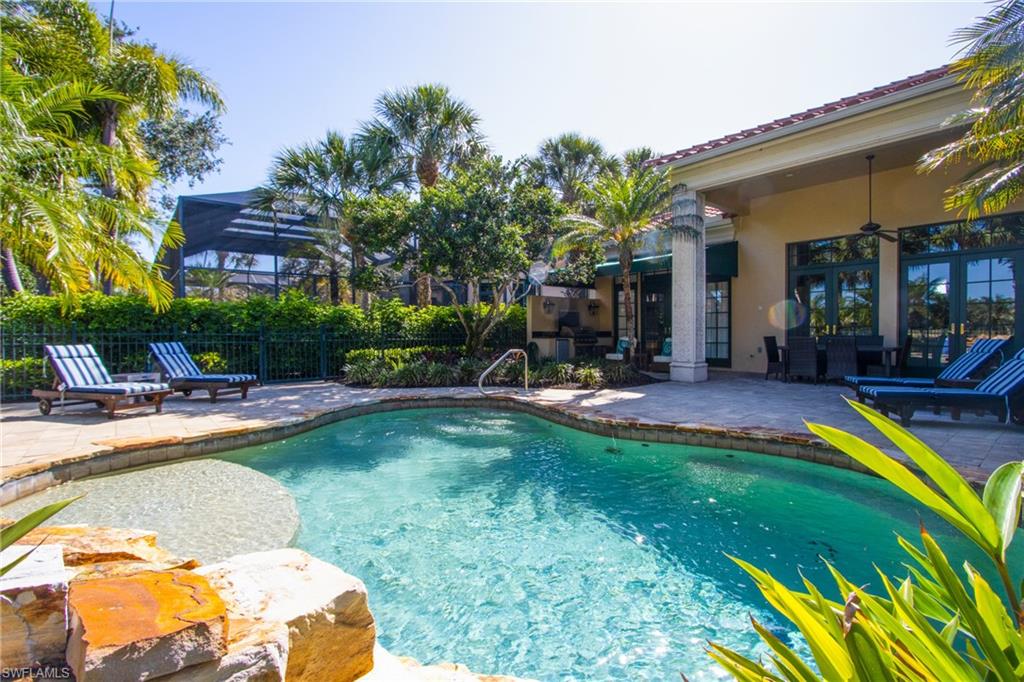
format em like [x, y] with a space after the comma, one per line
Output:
[620, 350]
[978, 357]
[775, 364]
[802, 360]
[996, 394]
[185, 376]
[79, 376]
[666, 352]
[840, 356]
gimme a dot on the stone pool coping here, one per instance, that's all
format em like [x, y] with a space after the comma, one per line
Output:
[125, 453]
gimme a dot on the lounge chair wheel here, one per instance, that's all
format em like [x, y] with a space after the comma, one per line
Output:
[45, 406]
[187, 392]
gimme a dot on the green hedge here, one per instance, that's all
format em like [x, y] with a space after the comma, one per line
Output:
[292, 311]
[21, 376]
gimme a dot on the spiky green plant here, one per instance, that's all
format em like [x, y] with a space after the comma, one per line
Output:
[929, 625]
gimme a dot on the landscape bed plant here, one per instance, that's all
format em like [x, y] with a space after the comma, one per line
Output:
[440, 367]
[934, 622]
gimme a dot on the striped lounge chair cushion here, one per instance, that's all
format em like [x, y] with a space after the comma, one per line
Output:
[1003, 383]
[219, 378]
[78, 365]
[119, 388]
[175, 360]
[179, 366]
[964, 367]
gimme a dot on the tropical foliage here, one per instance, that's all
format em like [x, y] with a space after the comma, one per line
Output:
[320, 179]
[484, 225]
[935, 623]
[569, 164]
[993, 145]
[77, 170]
[626, 206]
[431, 131]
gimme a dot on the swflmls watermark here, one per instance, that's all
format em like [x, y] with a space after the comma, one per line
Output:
[36, 673]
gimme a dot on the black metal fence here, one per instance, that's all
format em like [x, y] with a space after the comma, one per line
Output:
[273, 355]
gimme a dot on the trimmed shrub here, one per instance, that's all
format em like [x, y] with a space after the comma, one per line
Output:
[556, 373]
[21, 376]
[589, 376]
[211, 362]
[367, 372]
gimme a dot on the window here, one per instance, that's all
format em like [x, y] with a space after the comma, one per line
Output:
[716, 318]
[988, 232]
[828, 251]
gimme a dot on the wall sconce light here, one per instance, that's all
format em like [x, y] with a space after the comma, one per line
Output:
[593, 307]
[548, 305]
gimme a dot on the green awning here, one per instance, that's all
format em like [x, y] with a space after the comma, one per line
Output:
[719, 259]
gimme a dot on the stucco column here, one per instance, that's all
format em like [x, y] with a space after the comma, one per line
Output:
[688, 282]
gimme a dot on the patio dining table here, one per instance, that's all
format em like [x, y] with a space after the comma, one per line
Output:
[888, 354]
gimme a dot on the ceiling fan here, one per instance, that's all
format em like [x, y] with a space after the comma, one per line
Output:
[871, 227]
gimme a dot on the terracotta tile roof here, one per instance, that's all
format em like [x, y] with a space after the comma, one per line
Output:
[816, 112]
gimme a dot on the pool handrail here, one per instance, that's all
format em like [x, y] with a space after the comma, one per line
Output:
[510, 351]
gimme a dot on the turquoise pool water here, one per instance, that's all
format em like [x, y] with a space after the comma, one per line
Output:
[514, 545]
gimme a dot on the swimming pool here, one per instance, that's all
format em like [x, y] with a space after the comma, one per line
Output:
[515, 545]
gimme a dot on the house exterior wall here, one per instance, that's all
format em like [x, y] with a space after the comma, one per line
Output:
[902, 198]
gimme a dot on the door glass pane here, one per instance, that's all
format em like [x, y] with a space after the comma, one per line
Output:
[716, 319]
[928, 313]
[991, 294]
[657, 312]
[810, 293]
[855, 305]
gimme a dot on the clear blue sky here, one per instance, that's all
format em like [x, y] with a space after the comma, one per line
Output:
[660, 75]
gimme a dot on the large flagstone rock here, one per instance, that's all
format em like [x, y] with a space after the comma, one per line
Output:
[257, 652]
[331, 631]
[85, 545]
[33, 607]
[145, 625]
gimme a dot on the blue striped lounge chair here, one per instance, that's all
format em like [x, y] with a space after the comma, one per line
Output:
[79, 376]
[998, 394]
[982, 354]
[185, 376]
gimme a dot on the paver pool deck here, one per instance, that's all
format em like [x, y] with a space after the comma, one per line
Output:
[727, 409]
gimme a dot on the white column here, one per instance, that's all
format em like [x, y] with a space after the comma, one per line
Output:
[688, 282]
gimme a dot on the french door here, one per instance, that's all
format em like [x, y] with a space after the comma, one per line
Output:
[951, 300]
[835, 300]
[656, 312]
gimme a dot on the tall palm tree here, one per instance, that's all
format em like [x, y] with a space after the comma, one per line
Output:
[318, 179]
[49, 218]
[149, 84]
[569, 163]
[626, 206]
[991, 64]
[431, 131]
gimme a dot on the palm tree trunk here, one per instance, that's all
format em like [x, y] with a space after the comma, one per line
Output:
[108, 134]
[332, 280]
[11, 277]
[428, 171]
[626, 261]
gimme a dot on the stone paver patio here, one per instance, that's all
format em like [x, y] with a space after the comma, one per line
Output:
[740, 403]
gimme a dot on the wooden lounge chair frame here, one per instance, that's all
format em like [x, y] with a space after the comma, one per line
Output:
[185, 385]
[111, 402]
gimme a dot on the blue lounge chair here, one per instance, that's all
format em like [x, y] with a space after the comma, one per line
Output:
[996, 394]
[185, 376]
[979, 356]
[79, 376]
